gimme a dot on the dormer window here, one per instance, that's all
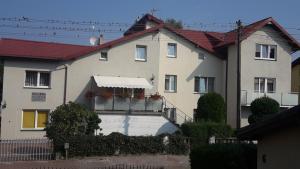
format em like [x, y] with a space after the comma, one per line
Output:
[103, 56]
[267, 52]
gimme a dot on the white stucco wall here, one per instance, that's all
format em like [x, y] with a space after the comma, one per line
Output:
[279, 69]
[18, 98]
[186, 66]
[121, 62]
[252, 67]
[135, 125]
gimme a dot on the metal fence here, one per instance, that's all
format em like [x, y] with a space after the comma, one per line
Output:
[230, 140]
[26, 149]
[118, 166]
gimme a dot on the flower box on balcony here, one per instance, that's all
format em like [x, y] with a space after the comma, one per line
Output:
[106, 95]
[156, 96]
[139, 96]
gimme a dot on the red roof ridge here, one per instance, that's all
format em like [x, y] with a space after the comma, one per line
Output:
[34, 41]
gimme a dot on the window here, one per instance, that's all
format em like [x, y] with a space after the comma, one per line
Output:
[171, 83]
[204, 84]
[34, 119]
[201, 56]
[172, 50]
[103, 56]
[37, 79]
[141, 53]
[262, 85]
[266, 52]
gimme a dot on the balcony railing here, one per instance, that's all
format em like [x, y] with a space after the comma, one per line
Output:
[284, 99]
[119, 103]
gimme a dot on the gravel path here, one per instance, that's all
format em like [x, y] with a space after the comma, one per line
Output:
[167, 161]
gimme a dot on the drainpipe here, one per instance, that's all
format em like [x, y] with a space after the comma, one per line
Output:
[65, 84]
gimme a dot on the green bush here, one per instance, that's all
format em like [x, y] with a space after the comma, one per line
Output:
[69, 120]
[200, 132]
[116, 143]
[224, 156]
[262, 108]
[211, 106]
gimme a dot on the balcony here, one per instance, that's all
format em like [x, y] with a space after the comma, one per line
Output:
[128, 104]
[284, 99]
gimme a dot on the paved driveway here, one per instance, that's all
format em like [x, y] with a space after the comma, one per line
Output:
[167, 161]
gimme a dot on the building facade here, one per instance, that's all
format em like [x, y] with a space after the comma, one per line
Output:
[146, 81]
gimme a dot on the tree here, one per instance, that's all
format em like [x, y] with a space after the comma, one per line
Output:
[174, 23]
[71, 119]
[262, 108]
[211, 106]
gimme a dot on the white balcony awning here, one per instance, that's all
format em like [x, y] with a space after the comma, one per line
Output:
[122, 82]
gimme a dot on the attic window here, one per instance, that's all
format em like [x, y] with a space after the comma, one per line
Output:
[103, 56]
[266, 52]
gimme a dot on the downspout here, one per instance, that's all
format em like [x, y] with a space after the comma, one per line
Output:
[65, 84]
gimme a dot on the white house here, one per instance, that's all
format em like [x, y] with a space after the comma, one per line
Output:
[123, 79]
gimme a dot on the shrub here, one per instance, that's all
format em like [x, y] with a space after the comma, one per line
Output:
[262, 108]
[211, 106]
[116, 143]
[200, 132]
[225, 156]
[71, 120]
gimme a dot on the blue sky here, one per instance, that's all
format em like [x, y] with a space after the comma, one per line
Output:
[215, 14]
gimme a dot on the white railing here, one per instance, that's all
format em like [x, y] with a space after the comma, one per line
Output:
[26, 149]
[175, 114]
[284, 99]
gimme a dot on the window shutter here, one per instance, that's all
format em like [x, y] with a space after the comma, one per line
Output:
[42, 119]
[28, 119]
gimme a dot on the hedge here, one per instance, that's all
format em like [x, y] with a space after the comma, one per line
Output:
[117, 143]
[200, 132]
[225, 156]
[262, 108]
[211, 107]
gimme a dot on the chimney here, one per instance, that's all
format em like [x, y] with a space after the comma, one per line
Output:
[101, 39]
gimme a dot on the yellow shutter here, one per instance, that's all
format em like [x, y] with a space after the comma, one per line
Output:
[42, 119]
[28, 119]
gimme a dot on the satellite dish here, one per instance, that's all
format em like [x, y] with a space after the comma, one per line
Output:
[94, 41]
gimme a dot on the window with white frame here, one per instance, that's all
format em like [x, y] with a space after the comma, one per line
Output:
[34, 119]
[172, 50]
[103, 56]
[37, 79]
[201, 56]
[266, 51]
[264, 85]
[204, 84]
[171, 83]
[141, 53]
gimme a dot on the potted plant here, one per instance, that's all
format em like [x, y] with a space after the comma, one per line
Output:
[106, 94]
[140, 95]
[124, 95]
[155, 96]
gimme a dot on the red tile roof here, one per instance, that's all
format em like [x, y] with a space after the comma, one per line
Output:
[201, 39]
[39, 50]
[230, 37]
[209, 41]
